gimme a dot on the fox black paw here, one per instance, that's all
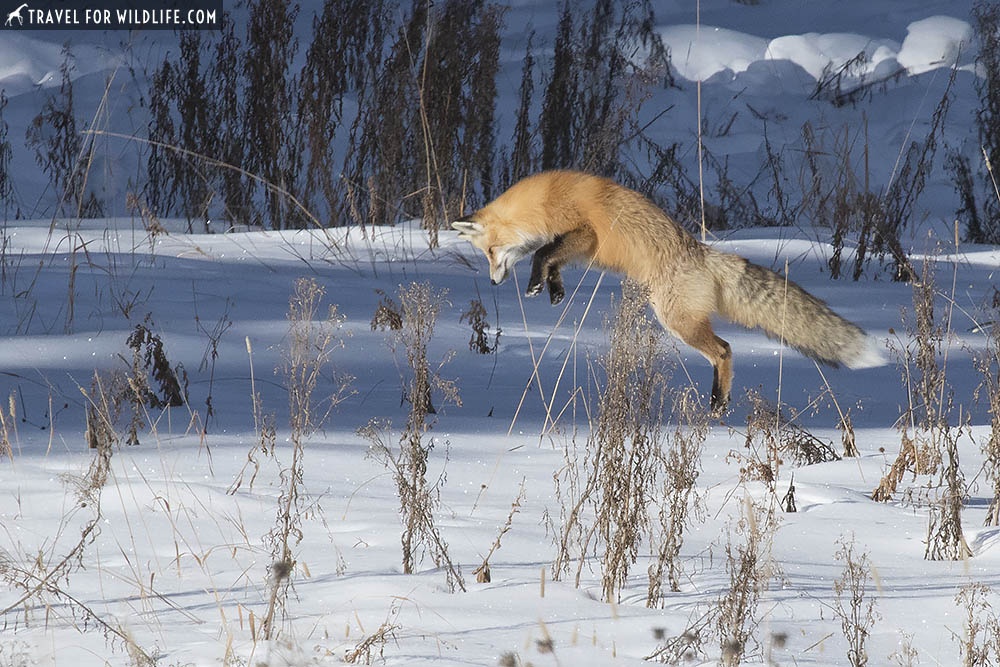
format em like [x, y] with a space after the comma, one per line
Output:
[556, 295]
[534, 289]
[718, 407]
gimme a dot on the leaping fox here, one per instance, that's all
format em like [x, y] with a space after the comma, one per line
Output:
[566, 216]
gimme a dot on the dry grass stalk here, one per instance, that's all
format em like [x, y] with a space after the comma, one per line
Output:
[854, 604]
[750, 567]
[387, 314]
[267, 435]
[980, 640]
[420, 305]
[628, 437]
[417, 502]
[930, 382]
[945, 540]
[681, 463]
[930, 399]
[150, 222]
[905, 655]
[685, 647]
[905, 460]
[761, 460]
[6, 446]
[733, 618]
[848, 440]
[264, 428]
[923, 363]
[988, 364]
[620, 467]
[150, 367]
[211, 354]
[483, 571]
[311, 344]
[102, 412]
[788, 500]
[45, 584]
[476, 317]
[510, 659]
[772, 436]
[365, 650]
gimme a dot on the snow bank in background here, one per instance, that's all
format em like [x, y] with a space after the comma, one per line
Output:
[699, 55]
[815, 52]
[26, 62]
[934, 42]
[930, 43]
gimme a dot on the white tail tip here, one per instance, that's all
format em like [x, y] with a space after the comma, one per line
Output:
[869, 355]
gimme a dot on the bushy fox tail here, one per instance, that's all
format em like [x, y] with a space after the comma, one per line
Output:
[757, 297]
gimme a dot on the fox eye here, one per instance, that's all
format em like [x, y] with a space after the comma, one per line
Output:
[491, 250]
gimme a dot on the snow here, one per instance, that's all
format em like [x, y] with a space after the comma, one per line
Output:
[933, 42]
[26, 62]
[698, 53]
[181, 561]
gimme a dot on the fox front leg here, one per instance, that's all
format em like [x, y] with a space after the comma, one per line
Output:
[576, 245]
[545, 270]
[556, 291]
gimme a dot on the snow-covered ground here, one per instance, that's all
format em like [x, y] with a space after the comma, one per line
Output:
[179, 560]
[180, 563]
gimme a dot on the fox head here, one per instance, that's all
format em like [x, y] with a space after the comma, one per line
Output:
[502, 244]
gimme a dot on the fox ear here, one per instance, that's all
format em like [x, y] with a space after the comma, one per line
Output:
[467, 230]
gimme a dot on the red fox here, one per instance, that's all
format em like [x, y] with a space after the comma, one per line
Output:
[565, 216]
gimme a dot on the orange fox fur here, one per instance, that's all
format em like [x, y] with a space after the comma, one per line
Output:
[565, 216]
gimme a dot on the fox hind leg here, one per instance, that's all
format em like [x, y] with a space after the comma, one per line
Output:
[696, 331]
[700, 336]
[722, 380]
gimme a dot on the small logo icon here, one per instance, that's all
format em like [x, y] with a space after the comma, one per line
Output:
[16, 14]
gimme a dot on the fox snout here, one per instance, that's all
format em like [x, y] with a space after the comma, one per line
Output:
[502, 261]
[498, 274]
